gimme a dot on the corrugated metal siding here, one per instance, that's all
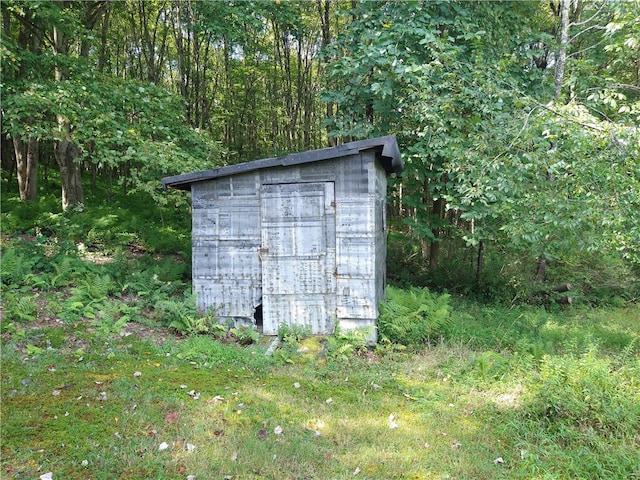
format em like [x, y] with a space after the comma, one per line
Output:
[298, 255]
[306, 241]
[226, 238]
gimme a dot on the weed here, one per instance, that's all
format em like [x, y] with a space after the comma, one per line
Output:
[293, 333]
[245, 335]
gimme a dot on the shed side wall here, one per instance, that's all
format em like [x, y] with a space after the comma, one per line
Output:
[226, 239]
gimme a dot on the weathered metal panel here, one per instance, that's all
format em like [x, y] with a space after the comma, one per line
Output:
[298, 255]
[307, 241]
[226, 238]
[229, 298]
[356, 298]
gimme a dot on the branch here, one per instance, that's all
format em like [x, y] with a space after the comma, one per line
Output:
[590, 18]
[598, 27]
[624, 86]
[526, 122]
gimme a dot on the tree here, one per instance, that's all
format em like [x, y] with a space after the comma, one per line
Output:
[490, 155]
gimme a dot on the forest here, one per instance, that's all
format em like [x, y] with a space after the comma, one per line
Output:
[508, 345]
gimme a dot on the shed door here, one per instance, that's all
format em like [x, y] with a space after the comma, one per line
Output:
[298, 256]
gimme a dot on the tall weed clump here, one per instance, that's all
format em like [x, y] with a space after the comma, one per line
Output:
[414, 316]
[590, 393]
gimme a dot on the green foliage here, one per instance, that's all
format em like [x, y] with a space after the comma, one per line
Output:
[344, 344]
[19, 307]
[15, 267]
[293, 333]
[465, 88]
[245, 335]
[589, 392]
[414, 316]
[180, 314]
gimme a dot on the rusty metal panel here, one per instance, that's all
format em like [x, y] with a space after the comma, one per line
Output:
[298, 255]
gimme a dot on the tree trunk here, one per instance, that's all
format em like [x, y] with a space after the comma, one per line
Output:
[66, 154]
[64, 150]
[561, 58]
[434, 251]
[27, 156]
[479, 262]
[541, 268]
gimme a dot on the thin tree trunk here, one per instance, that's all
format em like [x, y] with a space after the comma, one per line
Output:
[27, 156]
[434, 251]
[480, 262]
[561, 59]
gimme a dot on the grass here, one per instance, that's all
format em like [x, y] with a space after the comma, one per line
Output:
[95, 385]
[84, 405]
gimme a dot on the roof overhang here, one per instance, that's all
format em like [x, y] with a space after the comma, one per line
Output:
[386, 147]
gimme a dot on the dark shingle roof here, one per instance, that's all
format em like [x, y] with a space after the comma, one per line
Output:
[389, 155]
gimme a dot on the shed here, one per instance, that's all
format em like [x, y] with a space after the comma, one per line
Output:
[298, 239]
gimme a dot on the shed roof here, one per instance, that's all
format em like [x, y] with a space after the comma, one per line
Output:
[387, 146]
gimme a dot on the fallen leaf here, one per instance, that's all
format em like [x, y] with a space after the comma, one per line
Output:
[171, 417]
[262, 433]
[51, 368]
[218, 433]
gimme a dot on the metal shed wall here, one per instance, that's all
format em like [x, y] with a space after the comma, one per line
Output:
[341, 200]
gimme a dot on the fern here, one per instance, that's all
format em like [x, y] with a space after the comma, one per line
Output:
[21, 308]
[63, 272]
[14, 267]
[411, 317]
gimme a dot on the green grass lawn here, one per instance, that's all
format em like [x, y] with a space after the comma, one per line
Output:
[546, 396]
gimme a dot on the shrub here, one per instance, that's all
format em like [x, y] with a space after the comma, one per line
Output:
[412, 317]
